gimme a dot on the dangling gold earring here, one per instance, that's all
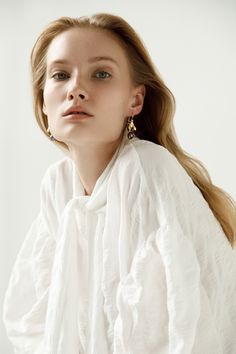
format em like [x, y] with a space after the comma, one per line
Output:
[131, 127]
[50, 135]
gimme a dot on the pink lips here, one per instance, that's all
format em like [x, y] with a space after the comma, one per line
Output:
[77, 116]
[76, 110]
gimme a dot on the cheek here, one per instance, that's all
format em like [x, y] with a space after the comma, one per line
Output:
[112, 95]
[47, 94]
[50, 95]
[49, 91]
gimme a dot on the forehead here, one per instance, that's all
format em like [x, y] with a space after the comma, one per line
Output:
[82, 43]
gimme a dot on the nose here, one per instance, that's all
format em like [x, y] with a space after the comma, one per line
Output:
[77, 91]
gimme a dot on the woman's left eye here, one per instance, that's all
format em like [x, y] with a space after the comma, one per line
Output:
[102, 74]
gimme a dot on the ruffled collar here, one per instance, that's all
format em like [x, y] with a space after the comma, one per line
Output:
[98, 197]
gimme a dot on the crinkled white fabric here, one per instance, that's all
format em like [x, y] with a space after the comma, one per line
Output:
[140, 266]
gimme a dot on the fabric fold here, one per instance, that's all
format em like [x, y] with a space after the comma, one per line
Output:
[25, 302]
[139, 266]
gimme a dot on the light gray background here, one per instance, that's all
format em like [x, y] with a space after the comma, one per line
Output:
[192, 44]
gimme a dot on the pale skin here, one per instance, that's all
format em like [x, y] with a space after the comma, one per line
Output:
[102, 87]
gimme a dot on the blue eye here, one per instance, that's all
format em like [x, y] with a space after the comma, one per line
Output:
[59, 73]
[104, 74]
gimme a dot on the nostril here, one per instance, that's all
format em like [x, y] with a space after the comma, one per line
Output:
[81, 96]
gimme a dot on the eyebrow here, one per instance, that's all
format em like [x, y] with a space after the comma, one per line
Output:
[91, 60]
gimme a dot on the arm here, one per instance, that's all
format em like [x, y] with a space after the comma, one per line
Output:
[26, 296]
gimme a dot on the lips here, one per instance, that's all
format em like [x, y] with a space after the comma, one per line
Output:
[75, 117]
[76, 113]
[76, 110]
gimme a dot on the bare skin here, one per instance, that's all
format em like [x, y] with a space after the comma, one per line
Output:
[103, 88]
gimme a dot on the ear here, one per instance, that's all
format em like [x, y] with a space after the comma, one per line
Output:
[137, 100]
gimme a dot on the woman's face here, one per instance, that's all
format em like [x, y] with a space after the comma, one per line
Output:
[94, 75]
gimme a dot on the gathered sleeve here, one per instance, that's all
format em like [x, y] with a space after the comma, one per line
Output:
[163, 304]
[25, 302]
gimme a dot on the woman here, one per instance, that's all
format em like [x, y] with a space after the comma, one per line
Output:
[132, 250]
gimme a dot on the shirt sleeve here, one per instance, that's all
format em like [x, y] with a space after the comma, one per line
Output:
[25, 302]
[163, 305]
[142, 323]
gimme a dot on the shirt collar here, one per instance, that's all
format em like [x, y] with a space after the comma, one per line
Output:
[98, 197]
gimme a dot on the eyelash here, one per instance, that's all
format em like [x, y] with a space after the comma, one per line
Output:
[103, 71]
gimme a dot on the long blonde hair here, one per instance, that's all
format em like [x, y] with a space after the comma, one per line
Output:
[156, 118]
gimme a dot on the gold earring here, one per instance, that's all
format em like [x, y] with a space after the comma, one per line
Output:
[50, 135]
[131, 127]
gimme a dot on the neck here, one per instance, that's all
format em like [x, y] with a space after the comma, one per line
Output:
[91, 160]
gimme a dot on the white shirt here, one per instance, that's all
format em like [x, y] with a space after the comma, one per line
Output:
[141, 266]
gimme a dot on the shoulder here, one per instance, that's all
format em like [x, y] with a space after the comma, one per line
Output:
[151, 153]
[161, 170]
[56, 188]
[156, 160]
[58, 169]
[57, 179]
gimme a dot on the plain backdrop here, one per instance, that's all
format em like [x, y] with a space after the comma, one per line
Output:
[192, 44]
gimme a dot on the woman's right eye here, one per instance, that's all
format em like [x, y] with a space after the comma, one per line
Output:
[59, 78]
